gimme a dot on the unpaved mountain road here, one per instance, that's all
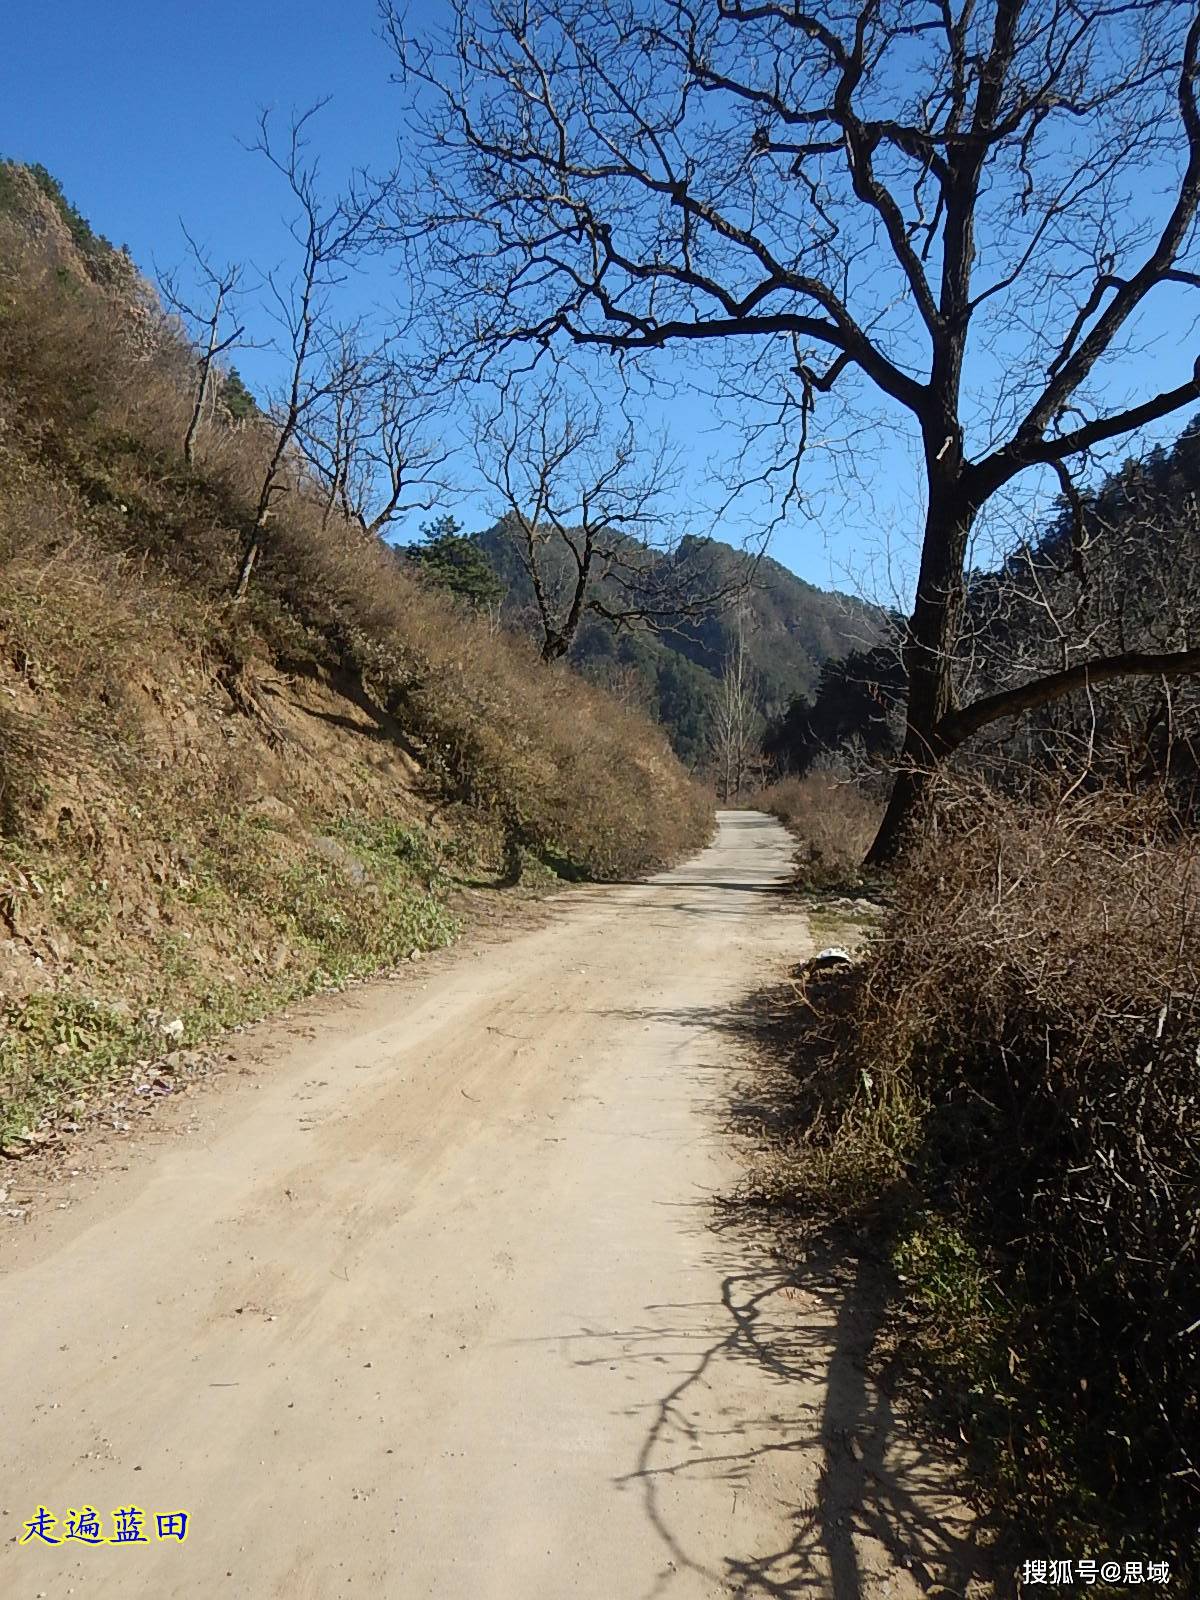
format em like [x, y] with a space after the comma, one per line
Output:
[438, 1309]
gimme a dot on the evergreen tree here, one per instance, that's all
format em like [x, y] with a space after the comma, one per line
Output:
[453, 560]
[235, 397]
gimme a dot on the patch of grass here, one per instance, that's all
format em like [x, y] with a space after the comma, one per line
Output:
[291, 917]
[839, 926]
[55, 1047]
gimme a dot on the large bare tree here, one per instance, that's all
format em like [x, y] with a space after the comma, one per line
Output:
[964, 208]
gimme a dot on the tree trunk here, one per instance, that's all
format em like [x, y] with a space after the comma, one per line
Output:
[206, 362]
[936, 727]
[249, 560]
[189, 438]
[929, 663]
[258, 532]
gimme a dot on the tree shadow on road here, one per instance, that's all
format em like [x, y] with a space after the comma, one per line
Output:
[872, 1506]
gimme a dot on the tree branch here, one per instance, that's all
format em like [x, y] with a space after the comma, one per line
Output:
[954, 729]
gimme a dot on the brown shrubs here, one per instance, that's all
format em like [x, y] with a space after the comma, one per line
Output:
[93, 399]
[834, 821]
[1023, 1048]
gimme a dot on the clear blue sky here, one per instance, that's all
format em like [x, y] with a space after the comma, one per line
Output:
[138, 106]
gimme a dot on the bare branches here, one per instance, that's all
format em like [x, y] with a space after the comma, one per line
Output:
[582, 189]
[584, 506]
[969, 209]
[959, 725]
[589, 218]
[205, 322]
[1005, 463]
[368, 437]
[330, 235]
[1073, 362]
[403, 467]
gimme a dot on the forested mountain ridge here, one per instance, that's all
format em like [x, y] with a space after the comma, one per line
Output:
[791, 629]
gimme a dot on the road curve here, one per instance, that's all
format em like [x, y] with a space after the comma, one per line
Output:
[432, 1306]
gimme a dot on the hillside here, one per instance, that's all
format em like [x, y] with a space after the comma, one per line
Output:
[208, 808]
[792, 629]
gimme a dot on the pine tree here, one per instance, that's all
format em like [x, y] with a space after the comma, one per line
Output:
[451, 559]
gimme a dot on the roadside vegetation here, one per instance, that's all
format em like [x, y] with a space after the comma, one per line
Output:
[833, 819]
[999, 1099]
[235, 722]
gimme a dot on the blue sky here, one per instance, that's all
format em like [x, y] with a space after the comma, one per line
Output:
[138, 109]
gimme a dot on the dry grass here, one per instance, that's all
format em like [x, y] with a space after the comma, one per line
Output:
[205, 810]
[96, 401]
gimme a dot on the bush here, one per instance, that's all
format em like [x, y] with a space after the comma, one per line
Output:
[1023, 1052]
[93, 404]
[834, 820]
[208, 809]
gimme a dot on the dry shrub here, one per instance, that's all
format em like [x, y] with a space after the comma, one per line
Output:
[1024, 1040]
[84, 359]
[834, 820]
[570, 773]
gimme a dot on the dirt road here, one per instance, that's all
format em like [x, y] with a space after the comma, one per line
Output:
[432, 1305]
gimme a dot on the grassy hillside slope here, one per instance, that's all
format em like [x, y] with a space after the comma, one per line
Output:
[208, 809]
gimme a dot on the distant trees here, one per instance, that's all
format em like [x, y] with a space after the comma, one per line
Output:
[961, 210]
[234, 397]
[859, 704]
[1114, 573]
[735, 724]
[682, 701]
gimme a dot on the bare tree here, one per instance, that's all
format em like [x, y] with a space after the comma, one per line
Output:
[402, 461]
[370, 437]
[331, 432]
[734, 728]
[960, 209]
[584, 506]
[331, 234]
[205, 324]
